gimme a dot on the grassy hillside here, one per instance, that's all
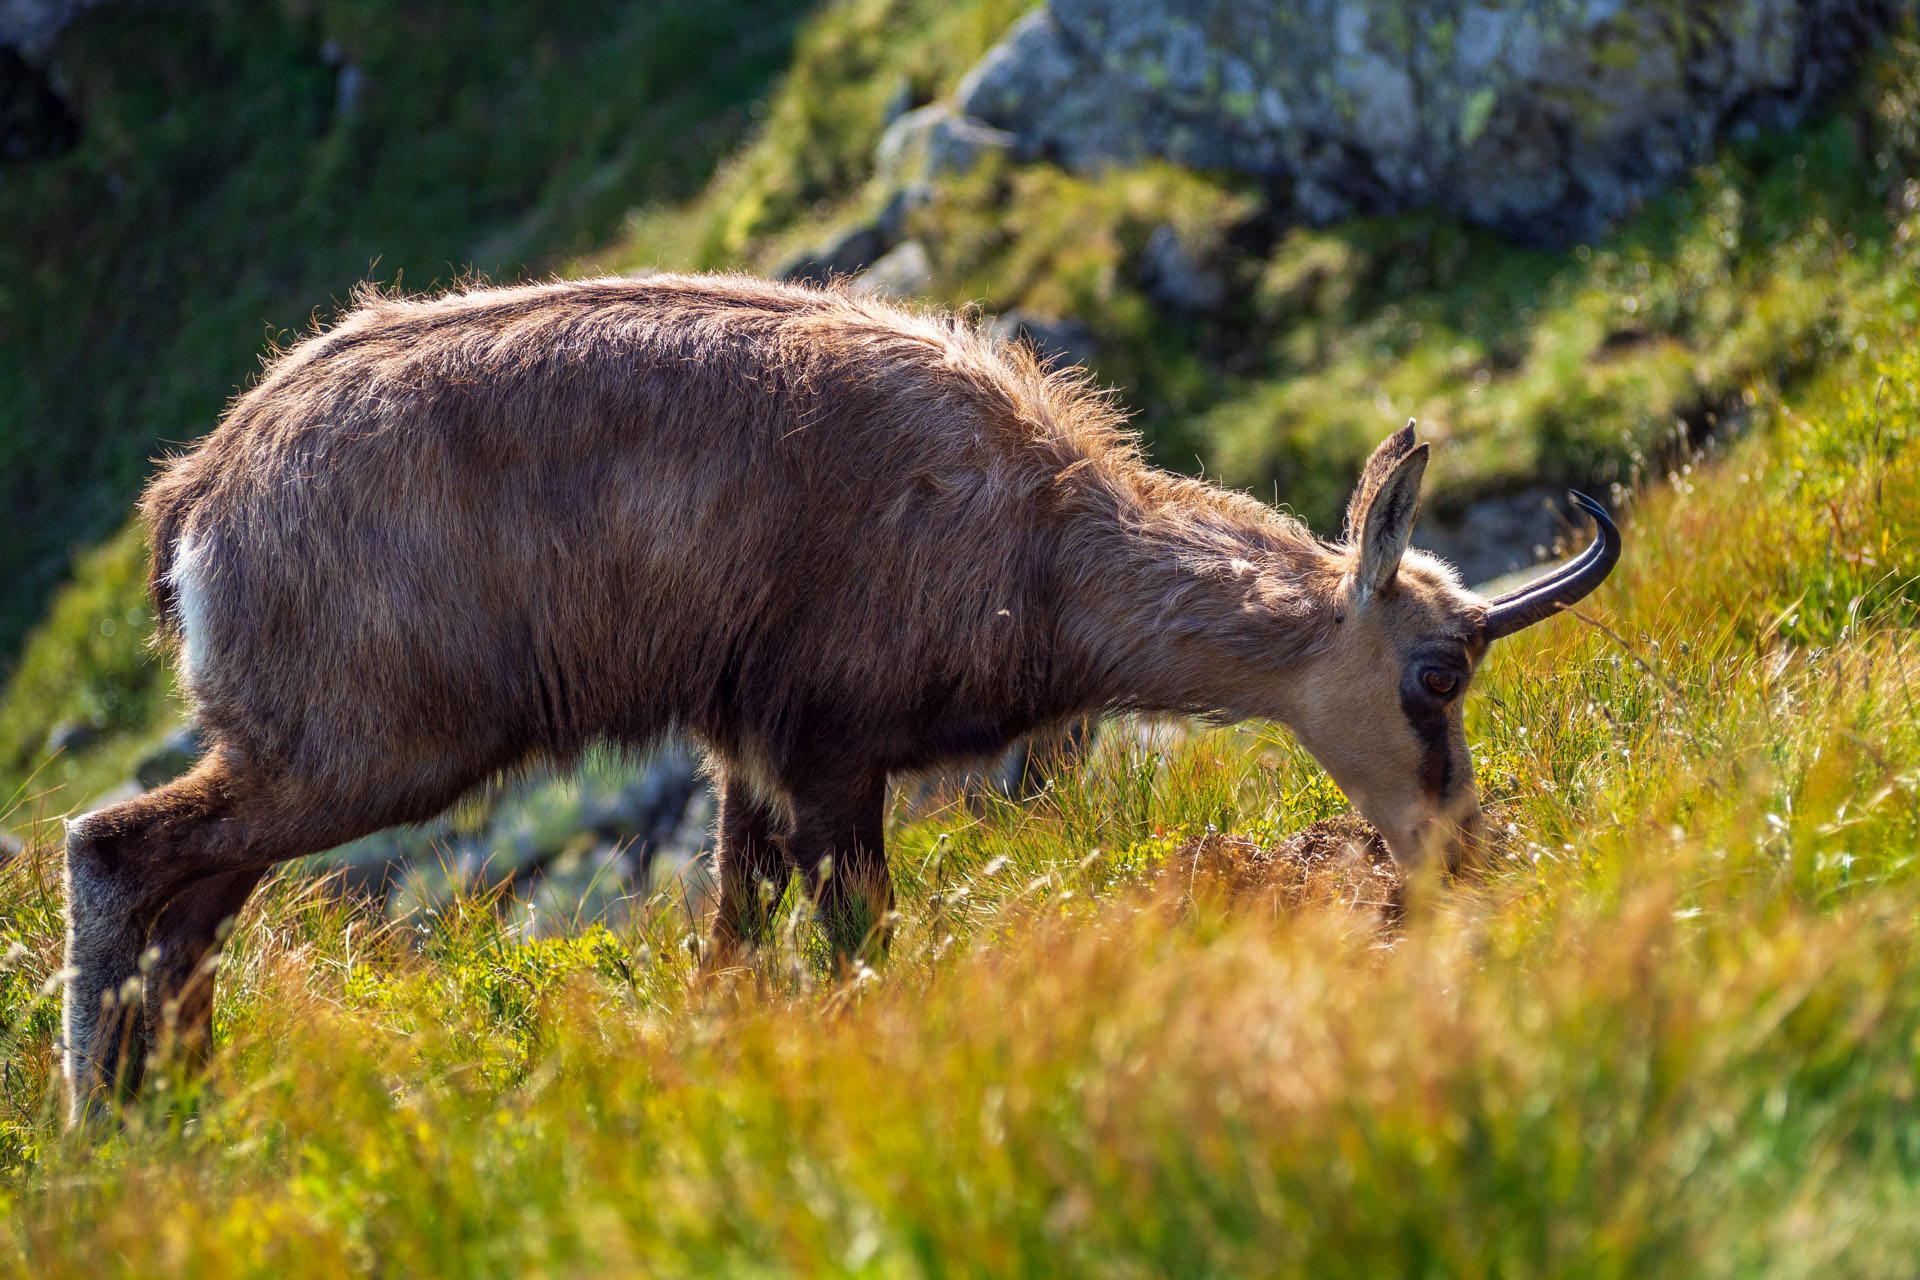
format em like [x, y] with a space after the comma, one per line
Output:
[222, 198]
[1674, 1032]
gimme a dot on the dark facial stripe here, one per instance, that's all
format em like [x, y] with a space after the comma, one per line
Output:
[1429, 720]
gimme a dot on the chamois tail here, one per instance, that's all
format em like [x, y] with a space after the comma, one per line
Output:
[164, 508]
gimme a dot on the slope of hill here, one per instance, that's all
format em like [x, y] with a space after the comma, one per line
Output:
[241, 166]
[1672, 1031]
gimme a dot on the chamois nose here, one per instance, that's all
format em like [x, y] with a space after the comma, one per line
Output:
[1450, 835]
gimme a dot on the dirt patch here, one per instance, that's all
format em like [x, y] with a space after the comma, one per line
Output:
[1339, 863]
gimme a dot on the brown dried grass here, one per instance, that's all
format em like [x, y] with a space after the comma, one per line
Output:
[1339, 864]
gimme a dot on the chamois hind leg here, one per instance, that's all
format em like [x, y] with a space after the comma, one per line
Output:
[185, 944]
[111, 902]
[753, 871]
[838, 845]
[201, 841]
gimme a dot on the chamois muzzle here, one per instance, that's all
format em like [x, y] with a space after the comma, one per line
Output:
[1563, 587]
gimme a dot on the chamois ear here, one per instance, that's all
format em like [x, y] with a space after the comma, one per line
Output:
[1380, 514]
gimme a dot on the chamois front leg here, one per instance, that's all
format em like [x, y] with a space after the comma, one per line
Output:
[837, 845]
[753, 871]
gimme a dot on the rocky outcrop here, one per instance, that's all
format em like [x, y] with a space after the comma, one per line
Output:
[1545, 118]
[1063, 342]
[933, 141]
[904, 271]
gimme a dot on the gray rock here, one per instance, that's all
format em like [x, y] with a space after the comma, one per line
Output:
[1545, 118]
[36, 122]
[1033, 67]
[348, 86]
[899, 102]
[1066, 342]
[173, 757]
[848, 253]
[72, 735]
[605, 883]
[11, 847]
[32, 25]
[1175, 278]
[375, 866]
[855, 248]
[935, 141]
[646, 811]
[891, 221]
[905, 271]
[1493, 537]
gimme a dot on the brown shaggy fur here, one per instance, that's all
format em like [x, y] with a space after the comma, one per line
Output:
[832, 538]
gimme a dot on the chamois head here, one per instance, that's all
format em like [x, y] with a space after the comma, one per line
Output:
[1382, 708]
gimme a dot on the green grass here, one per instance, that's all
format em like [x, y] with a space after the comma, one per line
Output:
[1675, 1031]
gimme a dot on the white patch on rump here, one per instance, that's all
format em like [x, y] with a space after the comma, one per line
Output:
[188, 579]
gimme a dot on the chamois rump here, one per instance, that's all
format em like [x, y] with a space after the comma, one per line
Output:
[832, 538]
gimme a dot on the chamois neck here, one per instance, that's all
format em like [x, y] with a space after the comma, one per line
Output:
[1202, 603]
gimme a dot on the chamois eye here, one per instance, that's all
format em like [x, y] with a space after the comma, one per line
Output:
[1440, 682]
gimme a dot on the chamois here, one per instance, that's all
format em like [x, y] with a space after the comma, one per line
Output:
[832, 538]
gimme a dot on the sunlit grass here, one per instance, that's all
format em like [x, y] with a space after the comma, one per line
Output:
[1676, 1030]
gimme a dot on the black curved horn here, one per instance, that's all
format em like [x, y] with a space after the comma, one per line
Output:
[1563, 587]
